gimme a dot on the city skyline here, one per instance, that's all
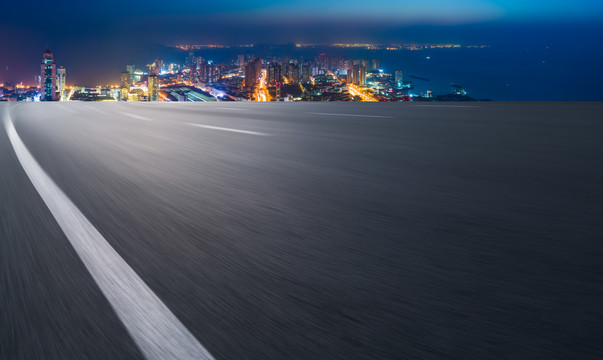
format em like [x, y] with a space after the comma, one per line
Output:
[533, 47]
[102, 36]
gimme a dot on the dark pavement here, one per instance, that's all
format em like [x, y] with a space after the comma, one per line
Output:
[313, 230]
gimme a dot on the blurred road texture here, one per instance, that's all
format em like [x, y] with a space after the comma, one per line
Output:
[301, 231]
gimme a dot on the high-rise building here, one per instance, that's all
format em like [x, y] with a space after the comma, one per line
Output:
[333, 62]
[157, 66]
[305, 72]
[294, 73]
[192, 76]
[125, 85]
[241, 60]
[190, 60]
[365, 63]
[153, 87]
[375, 64]
[358, 76]
[274, 73]
[61, 82]
[253, 70]
[49, 77]
[399, 79]
[131, 70]
[362, 76]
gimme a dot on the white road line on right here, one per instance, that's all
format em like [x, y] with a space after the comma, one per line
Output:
[134, 116]
[354, 115]
[225, 108]
[229, 129]
[153, 327]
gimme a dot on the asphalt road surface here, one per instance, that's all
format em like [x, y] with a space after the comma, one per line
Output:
[301, 231]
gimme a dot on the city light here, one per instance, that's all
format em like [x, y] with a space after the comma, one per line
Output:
[326, 77]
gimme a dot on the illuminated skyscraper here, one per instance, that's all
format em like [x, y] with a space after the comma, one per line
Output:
[294, 73]
[153, 87]
[61, 82]
[131, 70]
[158, 66]
[190, 60]
[362, 76]
[125, 85]
[49, 77]
[253, 70]
[398, 78]
[359, 75]
[274, 73]
[305, 72]
[192, 75]
[375, 64]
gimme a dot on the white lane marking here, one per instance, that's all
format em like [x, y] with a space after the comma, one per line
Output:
[354, 115]
[225, 108]
[134, 116]
[154, 328]
[448, 106]
[229, 129]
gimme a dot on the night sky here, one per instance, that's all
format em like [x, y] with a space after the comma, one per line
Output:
[94, 39]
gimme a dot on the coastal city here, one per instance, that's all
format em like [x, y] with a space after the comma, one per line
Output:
[246, 77]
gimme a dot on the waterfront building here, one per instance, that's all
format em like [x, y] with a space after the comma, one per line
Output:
[399, 79]
[375, 64]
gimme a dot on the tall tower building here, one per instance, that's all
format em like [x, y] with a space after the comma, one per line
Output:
[131, 70]
[305, 72]
[398, 78]
[153, 87]
[49, 77]
[125, 85]
[359, 75]
[362, 76]
[61, 82]
[253, 70]
[158, 66]
[192, 75]
[274, 73]
[375, 64]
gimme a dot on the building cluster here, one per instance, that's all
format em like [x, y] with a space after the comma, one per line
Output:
[50, 85]
[245, 78]
[251, 78]
[325, 78]
[52, 80]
